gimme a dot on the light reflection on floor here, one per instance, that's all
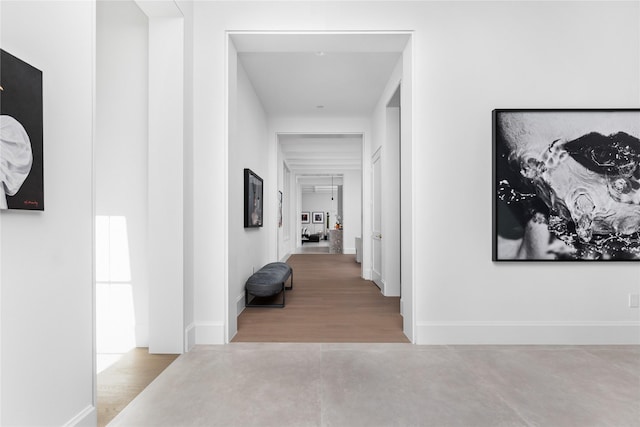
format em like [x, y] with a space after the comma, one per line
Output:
[115, 323]
[104, 361]
[321, 247]
[115, 310]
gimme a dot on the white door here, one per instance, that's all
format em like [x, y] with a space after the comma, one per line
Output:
[376, 234]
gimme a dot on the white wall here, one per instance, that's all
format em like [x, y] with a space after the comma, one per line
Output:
[468, 58]
[165, 180]
[513, 65]
[121, 136]
[210, 209]
[186, 7]
[352, 209]
[248, 148]
[47, 361]
[408, 215]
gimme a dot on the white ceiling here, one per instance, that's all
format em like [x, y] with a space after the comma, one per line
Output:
[322, 75]
[320, 183]
[323, 155]
[343, 83]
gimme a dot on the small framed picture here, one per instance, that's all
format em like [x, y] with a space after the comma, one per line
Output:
[279, 208]
[305, 218]
[252, 199]
[318, 217]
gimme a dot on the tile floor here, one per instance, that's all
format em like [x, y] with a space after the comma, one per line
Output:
[249, 384]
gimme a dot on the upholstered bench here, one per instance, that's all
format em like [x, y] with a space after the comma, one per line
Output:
[268, 281]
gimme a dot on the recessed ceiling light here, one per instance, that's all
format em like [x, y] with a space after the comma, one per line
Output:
[320, 106]
[320, 53]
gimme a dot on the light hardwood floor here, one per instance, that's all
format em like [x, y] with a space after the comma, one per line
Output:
[329, 302]
[124, 380]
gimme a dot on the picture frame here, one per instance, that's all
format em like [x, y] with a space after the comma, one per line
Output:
[21, 117]
[566, 185]
[305, 218]
[253, 200]
[280, 196]
[317, 217]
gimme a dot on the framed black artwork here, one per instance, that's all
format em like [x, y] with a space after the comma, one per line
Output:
[280, 209]
[317, 217]
[21, 135]
[253, 202]
[305, 218]
[566, 185]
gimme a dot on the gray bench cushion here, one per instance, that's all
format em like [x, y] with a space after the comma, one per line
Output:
[269, 280]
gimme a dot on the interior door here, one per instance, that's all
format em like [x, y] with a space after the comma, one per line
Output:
[376, 232]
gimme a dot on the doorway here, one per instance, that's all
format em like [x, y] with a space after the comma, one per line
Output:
[326, 173]
[256, 57]
[138, 309]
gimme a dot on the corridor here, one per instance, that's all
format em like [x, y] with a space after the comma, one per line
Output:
[329, 302]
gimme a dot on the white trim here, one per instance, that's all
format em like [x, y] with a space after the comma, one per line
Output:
[320, 32]
[521, 333]
[412, 138]
[366, 272]
[226, 323]
[349, 251]
[240, 305]
[375, 157]
[88, 417]
[94, 334]
[285, 257]
[317, 1]
[189, 337]
[208, 333]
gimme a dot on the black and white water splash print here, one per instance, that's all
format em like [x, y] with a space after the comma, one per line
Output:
[566, 185]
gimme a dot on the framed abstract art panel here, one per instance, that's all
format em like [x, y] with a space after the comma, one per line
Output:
[566, 185]
[21, 135]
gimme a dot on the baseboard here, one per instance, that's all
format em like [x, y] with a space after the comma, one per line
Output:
[189, 337]
[88, 417]
[208, 333]
[349, 251]
[521, 333]
[286, 257]
[366, 274]
[240, 304]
